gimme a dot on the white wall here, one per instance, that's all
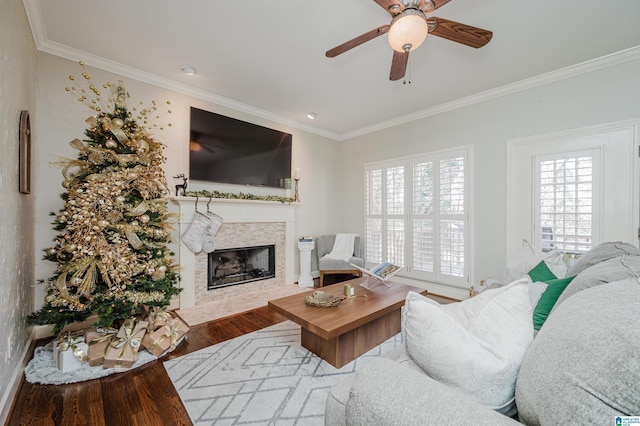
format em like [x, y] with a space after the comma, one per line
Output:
[17, 92]
[61, 119]
[606, 95]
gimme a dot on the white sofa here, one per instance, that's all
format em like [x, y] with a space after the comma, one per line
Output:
[582, 367]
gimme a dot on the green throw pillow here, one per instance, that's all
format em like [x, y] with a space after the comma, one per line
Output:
[555, 287]
[542, 273]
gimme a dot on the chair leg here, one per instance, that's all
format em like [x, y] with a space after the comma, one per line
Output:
[321, 278]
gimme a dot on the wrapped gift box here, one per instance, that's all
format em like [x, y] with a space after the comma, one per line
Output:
[98, 341]
[156, 318]
[166, 338]
[69, 351]
[123, 349]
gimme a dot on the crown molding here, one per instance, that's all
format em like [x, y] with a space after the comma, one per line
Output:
[34, 15]
[539, 80]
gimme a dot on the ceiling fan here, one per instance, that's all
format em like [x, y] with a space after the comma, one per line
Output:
[409, 27]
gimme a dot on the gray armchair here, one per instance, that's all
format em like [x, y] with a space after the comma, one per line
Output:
[324, 245]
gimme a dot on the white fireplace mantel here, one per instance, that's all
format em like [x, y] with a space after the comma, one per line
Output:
[231, 211]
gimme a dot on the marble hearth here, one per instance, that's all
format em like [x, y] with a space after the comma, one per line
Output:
[246, 223]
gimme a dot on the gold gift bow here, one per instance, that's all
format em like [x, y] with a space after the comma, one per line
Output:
[172, 331]
[70, 341]
[129, 340]
[108, 334]
[158, 317]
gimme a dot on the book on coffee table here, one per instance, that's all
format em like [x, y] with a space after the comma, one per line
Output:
[382, 272]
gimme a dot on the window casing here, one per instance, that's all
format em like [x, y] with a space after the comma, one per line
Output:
[416, 215]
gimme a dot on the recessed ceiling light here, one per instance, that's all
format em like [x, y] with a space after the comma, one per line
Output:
[311, 115]
[188, 70]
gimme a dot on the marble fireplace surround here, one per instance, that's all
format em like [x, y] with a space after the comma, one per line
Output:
[246, 223]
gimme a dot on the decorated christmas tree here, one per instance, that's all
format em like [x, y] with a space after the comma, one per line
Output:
[111, 250]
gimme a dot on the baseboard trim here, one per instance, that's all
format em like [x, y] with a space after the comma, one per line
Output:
[8, 398]
[41, 332]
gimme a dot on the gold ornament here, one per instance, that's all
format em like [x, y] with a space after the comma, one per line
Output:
[103, 223]
[120, 199]
[145, 218]
[50, 251]
[117, 123]
[111, 144]
[61, 218]
[143, 146]
[70, 248]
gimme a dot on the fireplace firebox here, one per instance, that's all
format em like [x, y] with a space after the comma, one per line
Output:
[241, 265]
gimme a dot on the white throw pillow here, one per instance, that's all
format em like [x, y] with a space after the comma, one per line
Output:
[527, 257]
[476, 345]
[535, 292]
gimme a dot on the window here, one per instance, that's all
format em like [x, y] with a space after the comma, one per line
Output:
[574, 189]
[566, 200]
[416, 215]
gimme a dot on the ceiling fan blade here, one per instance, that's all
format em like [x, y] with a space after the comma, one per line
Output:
[331, 53]
[431, 5]
[460, 33]
[398, 65]
[392, 6]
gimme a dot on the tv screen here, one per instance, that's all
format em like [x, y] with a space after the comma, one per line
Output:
[225, 150]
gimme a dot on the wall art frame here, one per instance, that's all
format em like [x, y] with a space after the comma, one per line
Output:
[24, 153]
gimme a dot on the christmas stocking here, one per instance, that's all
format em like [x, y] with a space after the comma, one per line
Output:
[194, 236]
[215, 223]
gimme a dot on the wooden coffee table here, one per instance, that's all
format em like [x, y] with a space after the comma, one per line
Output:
[342, 333]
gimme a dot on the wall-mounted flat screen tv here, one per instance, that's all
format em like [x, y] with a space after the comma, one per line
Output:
[226, 150]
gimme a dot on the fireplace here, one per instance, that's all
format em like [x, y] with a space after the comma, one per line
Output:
[247, 223]
[240, 265]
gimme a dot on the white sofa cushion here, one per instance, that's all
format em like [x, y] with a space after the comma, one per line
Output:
[601, 253]
[583, 367]
[475, 346]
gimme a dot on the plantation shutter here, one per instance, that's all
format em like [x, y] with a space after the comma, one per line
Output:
[395, 215]
[416, 216]
[566, 205]
[373, 215]
[423, 217]
[452, 216]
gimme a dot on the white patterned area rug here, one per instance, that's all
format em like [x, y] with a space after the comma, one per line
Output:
[262, 378]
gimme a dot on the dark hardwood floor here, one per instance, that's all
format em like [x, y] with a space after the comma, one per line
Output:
[144, 396]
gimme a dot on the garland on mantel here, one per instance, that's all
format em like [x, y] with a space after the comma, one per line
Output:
[240, 196]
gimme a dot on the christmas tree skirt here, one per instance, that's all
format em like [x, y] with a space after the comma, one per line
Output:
[42, 368]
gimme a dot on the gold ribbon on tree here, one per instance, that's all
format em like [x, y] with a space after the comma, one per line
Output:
[133, 238]
[138, 210]
[115, 127]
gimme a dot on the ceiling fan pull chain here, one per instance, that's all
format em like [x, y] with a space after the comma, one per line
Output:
[408, 81]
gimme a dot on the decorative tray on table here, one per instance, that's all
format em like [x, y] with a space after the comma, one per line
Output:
[320, 299]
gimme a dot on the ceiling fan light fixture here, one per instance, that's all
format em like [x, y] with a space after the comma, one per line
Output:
[408, 30]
